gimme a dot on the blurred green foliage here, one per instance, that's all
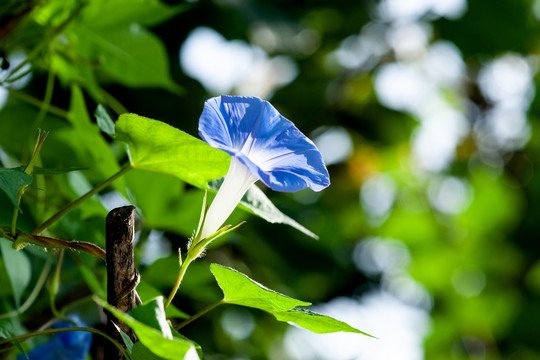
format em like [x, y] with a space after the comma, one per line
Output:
[472, 262]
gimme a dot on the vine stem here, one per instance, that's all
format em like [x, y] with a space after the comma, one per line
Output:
[189, 258]
[76, 203]
[199, 314]
[179, 278]
[196, 248]
[55, 283]
[75, 328]
[16, 212]
[29, 169]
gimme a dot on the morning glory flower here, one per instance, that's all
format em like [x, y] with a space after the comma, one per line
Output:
[264, 146]
[73, 345]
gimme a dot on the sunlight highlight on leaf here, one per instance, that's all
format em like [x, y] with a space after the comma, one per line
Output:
[240, 290]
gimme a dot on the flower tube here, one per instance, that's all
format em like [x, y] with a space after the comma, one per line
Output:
[264, 146]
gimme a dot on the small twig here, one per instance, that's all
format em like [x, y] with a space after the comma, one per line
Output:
[76, 203]
[21, 239]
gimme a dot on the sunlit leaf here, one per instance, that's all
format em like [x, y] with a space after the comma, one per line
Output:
[153, 314]
[131, 55]
[198, 348]
[156, 146]
[11, 180]
[141, 352]
[18, 268]
[315, 322]
[151, 338]
[239, 289]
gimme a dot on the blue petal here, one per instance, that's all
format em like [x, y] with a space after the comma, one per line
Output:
[271, 146]
[73, 338]
[73, 345]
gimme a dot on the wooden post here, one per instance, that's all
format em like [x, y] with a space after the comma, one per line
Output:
[122, 278]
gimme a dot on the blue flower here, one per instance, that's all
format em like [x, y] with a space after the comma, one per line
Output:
[264, 146]
[72, 345]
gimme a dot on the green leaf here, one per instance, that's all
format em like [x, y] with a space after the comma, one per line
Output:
[153, 314]
[198, 348]
[153, 339]
[256, 202]
[86, 139]
[11, 181]
[121, 13]
[6, 329]
[141, 352]
[127, 340]
[18, 268]
[104, 121]
[156, 146]
[147, 293]
[318, 323]
[85, 142]
[130, 55]
[239, 289]
[6, 332]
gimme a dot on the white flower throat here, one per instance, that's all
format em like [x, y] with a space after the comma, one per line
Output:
[236, 183]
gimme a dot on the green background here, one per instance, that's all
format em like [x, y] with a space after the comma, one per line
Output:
[455, 247]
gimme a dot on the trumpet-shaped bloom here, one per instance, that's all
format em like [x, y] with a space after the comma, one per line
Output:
[264, 146]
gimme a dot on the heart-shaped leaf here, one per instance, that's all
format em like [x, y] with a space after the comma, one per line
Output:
[239, 289]
[167, 348]
[156, 146]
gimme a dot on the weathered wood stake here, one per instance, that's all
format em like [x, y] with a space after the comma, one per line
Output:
[122, 277]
